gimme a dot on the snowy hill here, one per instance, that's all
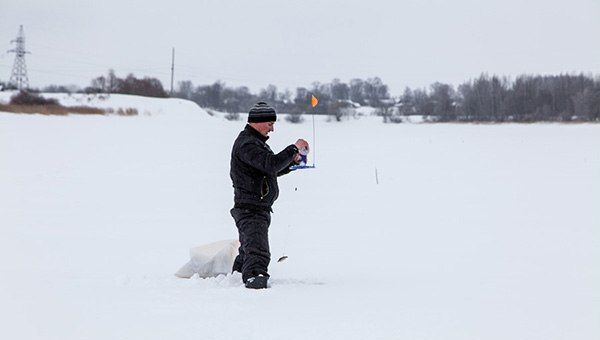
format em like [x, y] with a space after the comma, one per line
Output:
[146, 106]
[473, 232]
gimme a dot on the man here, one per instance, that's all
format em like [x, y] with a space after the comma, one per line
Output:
[254, 172]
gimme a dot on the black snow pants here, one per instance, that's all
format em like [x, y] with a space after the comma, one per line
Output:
[254, 255]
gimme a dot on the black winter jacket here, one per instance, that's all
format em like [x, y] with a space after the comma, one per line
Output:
[255, 168]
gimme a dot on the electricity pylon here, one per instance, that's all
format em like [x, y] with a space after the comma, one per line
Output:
[18, 77]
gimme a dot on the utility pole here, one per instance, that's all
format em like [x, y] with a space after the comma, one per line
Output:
[172, 70]
[18, 76]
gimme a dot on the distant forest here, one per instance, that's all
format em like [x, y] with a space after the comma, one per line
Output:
[528, 98]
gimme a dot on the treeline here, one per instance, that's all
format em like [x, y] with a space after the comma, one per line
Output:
[493, 99]
[528, 98]
[335, 98]
[109, 83]
[149, 87]
[106, 84]
[486, 99]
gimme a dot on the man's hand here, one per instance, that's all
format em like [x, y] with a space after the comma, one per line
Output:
[301, 144]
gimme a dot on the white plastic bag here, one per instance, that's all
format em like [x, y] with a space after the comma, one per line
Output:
[210, 260]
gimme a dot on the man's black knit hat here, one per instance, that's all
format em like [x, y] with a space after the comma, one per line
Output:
[261, 112]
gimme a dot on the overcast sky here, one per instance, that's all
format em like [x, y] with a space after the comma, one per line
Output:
[293, 43]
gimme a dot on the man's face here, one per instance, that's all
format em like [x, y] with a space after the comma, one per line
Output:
[264, 128]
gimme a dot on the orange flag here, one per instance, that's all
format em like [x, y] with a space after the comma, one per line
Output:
[313, 100]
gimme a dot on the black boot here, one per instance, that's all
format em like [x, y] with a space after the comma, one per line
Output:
[257, 282]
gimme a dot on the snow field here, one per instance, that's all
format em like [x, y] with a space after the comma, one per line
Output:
[473, 232]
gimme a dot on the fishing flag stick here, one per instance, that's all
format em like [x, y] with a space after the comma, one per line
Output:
[314, 102]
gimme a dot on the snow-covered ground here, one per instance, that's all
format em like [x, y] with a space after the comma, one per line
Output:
[473, 232]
